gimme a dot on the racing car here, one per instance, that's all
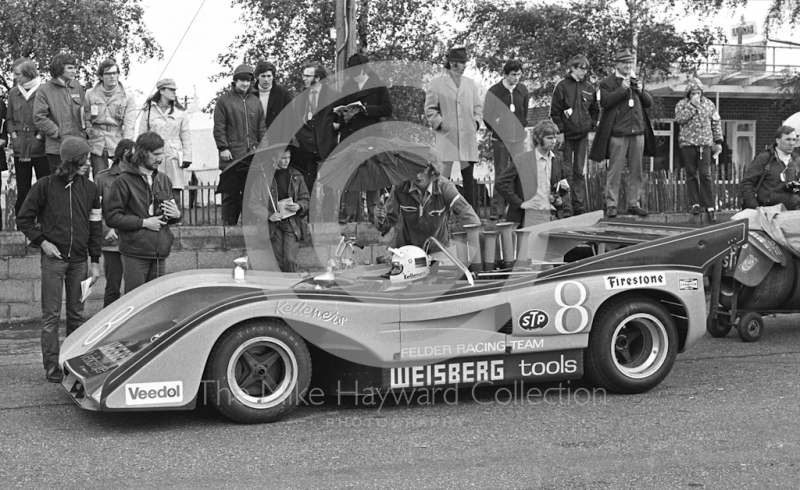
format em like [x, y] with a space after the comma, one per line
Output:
[255, 344]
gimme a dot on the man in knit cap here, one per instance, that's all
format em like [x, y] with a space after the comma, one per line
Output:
[700, 137]
[67, 206]
[239, 125]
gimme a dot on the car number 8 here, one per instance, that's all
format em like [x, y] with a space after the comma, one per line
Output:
[566, 307]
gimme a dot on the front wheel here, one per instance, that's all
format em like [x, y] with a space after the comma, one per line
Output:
[258, 372]
[632, 345]
[750, 327]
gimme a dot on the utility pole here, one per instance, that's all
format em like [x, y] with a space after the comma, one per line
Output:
[345, 37]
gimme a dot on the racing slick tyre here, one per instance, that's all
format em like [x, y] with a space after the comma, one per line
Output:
[257, 372]
[717, 328]
[632, 345]
[750, 327]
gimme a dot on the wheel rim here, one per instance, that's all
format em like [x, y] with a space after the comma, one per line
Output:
[262, 372]
[752, 328]
[639, 345]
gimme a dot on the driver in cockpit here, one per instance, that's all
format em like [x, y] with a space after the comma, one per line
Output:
[424, 203]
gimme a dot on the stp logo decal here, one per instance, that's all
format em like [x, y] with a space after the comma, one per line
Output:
[533, 320]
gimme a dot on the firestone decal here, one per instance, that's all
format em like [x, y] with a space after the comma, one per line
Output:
[635, 280]
[302, 309]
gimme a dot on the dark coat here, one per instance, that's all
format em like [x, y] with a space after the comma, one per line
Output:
[239, 124]
[374, 96]
[105, 182]
[496, 112]
[612, 98]
[767, 164]
[128, 207]
[510, 184]
[20, 121]
[58, 112]
[261, 203]
[279, 97]
[582, 99]
[68, 215]
[318, 135]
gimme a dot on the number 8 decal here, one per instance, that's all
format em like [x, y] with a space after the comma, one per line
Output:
[565, 307]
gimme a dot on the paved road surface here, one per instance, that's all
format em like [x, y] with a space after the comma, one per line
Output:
[727, 417]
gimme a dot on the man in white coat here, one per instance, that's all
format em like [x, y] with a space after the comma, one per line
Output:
[454, 108]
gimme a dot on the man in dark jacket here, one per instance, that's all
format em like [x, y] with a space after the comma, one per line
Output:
[367, 89]
[280, 203]
[624, 133]
[239, 125]
[58, 109]
[536, 187]
[112, 260]
[26, 141]
[505, 112]
[67, 207]
[574, 109]
[3, 143]
[318, 134]
[765, 178]
[141, 209]
[273, 97]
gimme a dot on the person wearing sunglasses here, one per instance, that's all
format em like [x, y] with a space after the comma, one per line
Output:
[767, 179]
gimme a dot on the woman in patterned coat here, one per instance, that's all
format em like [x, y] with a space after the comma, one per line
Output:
[700, 135]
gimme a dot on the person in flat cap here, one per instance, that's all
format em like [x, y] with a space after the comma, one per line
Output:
[367, 100]
[624, 133]
[454, 109]
[66, 205]
[163, 114]
[239, 126]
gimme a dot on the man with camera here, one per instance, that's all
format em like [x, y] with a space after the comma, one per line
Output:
[771, 178]
[624, 133]
[536, 187]
[141, 209]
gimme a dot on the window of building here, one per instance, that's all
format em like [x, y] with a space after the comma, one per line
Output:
[739, 147]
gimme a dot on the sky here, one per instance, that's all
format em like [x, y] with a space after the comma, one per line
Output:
[216, 26]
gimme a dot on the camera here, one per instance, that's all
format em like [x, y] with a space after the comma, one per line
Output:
[793, 186]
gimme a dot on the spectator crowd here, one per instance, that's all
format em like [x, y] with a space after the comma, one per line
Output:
[103, 190]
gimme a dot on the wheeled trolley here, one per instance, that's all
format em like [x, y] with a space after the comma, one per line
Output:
[756, 279]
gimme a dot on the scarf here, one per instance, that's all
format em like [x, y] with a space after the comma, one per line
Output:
[30, 88]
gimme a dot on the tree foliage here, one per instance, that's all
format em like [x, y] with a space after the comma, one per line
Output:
[289, 32]
[89, 29]
[545, 36]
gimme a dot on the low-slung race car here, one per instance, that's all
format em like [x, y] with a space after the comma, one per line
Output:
[254, 343]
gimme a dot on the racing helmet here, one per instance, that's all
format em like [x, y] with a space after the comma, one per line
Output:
[408, 264]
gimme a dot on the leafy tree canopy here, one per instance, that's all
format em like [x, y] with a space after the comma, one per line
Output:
[545, 36]
[91, 30]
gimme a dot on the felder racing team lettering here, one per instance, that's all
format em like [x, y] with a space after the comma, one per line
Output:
[627, 281]
[302, 309]
[479, 348]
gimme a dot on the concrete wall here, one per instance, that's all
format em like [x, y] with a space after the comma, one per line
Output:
[195, 247]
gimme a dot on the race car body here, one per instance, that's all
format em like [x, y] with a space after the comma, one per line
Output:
[254, 346]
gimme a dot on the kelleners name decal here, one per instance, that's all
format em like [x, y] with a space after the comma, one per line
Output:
[301, 308]
[154, 393]
[635, 280]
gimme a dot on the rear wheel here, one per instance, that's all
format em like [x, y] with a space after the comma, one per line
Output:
[258, 372]
[632, 345]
